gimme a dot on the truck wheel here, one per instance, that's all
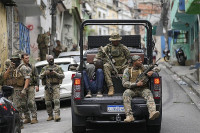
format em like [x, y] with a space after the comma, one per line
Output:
[154, 129]
[78, 123]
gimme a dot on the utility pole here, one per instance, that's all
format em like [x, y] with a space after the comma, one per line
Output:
[164, 18]
[53, 25]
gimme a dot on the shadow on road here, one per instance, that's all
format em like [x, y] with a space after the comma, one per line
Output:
[124, 128]
[63, 104]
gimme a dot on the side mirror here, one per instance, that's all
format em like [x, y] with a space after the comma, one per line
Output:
[72, 67]
[7, 90]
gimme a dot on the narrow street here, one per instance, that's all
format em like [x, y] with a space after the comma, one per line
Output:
[180, 115]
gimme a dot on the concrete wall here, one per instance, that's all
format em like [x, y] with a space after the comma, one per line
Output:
[34, 25]
[3, 36]
[67, 31]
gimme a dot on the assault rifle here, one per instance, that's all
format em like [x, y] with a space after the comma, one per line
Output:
[143, 76]
[48, 85]
[111, 63]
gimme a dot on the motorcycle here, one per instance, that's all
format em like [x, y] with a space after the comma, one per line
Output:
[181, 57]
[166, 55]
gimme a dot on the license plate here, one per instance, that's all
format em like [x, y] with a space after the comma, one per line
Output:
[115, 108]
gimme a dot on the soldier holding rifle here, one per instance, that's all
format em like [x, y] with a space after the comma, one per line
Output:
[137, 87]
[115, 57]
[52, 76]
[18, 76]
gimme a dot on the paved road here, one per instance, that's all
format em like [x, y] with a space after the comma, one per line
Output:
[180, 115]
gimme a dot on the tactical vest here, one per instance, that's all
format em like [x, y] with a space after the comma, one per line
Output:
[10, 81]
[117, 53]
[33, 79]
[42, 41]
[134, 74]
[51, 79]
[19, 77]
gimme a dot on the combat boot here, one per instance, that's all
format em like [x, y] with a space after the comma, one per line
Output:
[129, 118]
[111, 91]
[89, 95]
[27, 121]
[57, 118]
[34, 120]
[153, 115]
[50, 118]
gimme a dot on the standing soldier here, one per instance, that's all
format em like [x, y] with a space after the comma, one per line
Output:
[58, 49]
[52, 75]
[28, 102]
[43, 41]
[137, 89]
[118, 54]
[18, 76]
[8, 64]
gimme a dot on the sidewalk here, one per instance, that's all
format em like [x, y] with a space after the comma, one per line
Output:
[186, 79]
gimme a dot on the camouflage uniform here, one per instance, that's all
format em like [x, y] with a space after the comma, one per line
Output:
[119, 53]
[4, 82]
[129, 81]
[43, 41]
[57, 50]
[16, 78]
[52, 88]
[29, 99]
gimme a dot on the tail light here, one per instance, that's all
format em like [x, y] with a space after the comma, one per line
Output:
[2, 105]
[77, 89]
[73, 76]
[157, 88]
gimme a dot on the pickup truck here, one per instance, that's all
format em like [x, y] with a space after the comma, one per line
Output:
[110, 110]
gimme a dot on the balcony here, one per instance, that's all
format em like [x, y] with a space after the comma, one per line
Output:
[179, 19]
[192, 6]
[29, 7]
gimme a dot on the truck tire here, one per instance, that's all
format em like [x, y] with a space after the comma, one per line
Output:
[154, 129]
[78, 123]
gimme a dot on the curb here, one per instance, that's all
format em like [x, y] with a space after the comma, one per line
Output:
[194, 89]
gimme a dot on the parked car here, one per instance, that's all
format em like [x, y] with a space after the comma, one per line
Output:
[73, 54]
[65, 87]
[9, 116]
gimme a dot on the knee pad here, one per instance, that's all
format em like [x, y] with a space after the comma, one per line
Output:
[57, 102]
[31, 104]
[48, 103]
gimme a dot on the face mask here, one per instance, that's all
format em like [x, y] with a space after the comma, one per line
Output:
[51, 62]
[17, 62]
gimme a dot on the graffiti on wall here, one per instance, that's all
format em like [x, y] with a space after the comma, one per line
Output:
[21, 40]
[67, 40]
[3, 36]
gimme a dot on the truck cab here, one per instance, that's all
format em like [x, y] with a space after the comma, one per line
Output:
[110, 109]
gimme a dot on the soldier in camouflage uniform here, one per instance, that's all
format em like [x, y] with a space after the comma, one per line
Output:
[52, 75]
[18, 76]
[137, 89]
[7, 64]
[43, 41]
[28, 102]
[119, 55]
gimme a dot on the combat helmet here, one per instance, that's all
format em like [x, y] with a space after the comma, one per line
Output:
[134, 58]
